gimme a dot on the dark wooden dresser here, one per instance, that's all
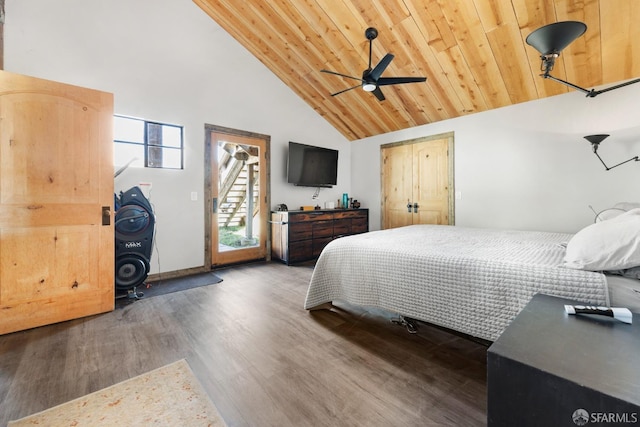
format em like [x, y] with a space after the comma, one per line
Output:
[301, 235]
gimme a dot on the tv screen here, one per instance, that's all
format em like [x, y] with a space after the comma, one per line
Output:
[311, 166]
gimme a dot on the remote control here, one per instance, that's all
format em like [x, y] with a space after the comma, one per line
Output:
[622, 314]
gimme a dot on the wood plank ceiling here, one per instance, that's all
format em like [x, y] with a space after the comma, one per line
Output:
[473, 53]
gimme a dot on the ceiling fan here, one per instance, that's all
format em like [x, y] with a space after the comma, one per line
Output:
[371, 80]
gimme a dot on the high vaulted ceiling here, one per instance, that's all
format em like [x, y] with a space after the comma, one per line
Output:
[473, 53]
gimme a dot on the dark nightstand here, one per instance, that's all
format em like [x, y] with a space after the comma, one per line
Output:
[547, 365]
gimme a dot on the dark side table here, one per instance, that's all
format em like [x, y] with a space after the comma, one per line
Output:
[549, 368]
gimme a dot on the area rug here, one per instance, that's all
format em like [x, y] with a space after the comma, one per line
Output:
[167, 286]
[167, 396]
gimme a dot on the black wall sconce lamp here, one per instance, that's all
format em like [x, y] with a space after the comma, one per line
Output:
[551, 39]
[595, 141]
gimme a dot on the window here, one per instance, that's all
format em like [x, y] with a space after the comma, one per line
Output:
[143, 143]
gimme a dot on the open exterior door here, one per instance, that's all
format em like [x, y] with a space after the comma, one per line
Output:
[237, 194]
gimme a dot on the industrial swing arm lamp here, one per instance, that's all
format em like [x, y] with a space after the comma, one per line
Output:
[590, 93]
[550, 40]
[595, 141]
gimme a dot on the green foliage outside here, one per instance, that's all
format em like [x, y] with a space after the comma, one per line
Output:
[228, 236]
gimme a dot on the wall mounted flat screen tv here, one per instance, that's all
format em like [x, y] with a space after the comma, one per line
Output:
[311, 166]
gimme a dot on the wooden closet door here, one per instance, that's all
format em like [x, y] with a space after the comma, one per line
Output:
[56, 202]
[417, 172]
[431, 182]
[397, 185]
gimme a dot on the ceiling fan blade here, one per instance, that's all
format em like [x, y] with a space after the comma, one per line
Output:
[382, 65]
[378, 93]
[382, 81]
[342, 91]
[341, 75]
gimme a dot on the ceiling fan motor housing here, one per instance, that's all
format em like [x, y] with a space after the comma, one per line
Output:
[371, 33]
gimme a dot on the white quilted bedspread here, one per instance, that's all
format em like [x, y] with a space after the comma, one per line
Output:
[474, 281]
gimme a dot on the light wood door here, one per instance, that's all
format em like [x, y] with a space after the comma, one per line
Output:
[56, 198]
[417, 182]
[238, 162]
[397, 185]
[431, 182]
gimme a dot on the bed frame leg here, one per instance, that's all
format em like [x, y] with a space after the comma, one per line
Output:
[407, 322]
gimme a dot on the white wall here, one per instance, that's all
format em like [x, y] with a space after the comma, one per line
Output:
[527, 166]
[168, 61]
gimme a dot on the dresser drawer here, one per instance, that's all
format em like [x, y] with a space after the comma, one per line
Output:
[319, 244]
[300, 231]
[310, 216]
[300, 251]
[349, 214]
[359, 225]
[342, 227]
[322, 229]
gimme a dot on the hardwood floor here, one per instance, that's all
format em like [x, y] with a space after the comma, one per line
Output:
[263, 359]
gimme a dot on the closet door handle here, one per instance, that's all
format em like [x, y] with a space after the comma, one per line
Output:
[415, 208]
[409, 207]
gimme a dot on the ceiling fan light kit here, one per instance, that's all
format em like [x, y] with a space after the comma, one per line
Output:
[551, 39]
[371, 77]
[369, 87]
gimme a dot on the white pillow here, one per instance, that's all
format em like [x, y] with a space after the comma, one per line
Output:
[627, 206]
[607, 245]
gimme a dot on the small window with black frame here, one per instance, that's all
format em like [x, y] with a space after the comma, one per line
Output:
[144, 143]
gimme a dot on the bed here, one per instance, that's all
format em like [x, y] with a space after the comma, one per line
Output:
[470, 280]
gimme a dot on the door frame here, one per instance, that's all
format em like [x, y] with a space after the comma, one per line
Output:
[449, 136]
[208, 188]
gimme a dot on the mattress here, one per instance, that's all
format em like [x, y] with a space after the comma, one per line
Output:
[471, 280]
[624, 292]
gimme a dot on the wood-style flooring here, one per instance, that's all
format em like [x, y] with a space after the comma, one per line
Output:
[263, 359]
